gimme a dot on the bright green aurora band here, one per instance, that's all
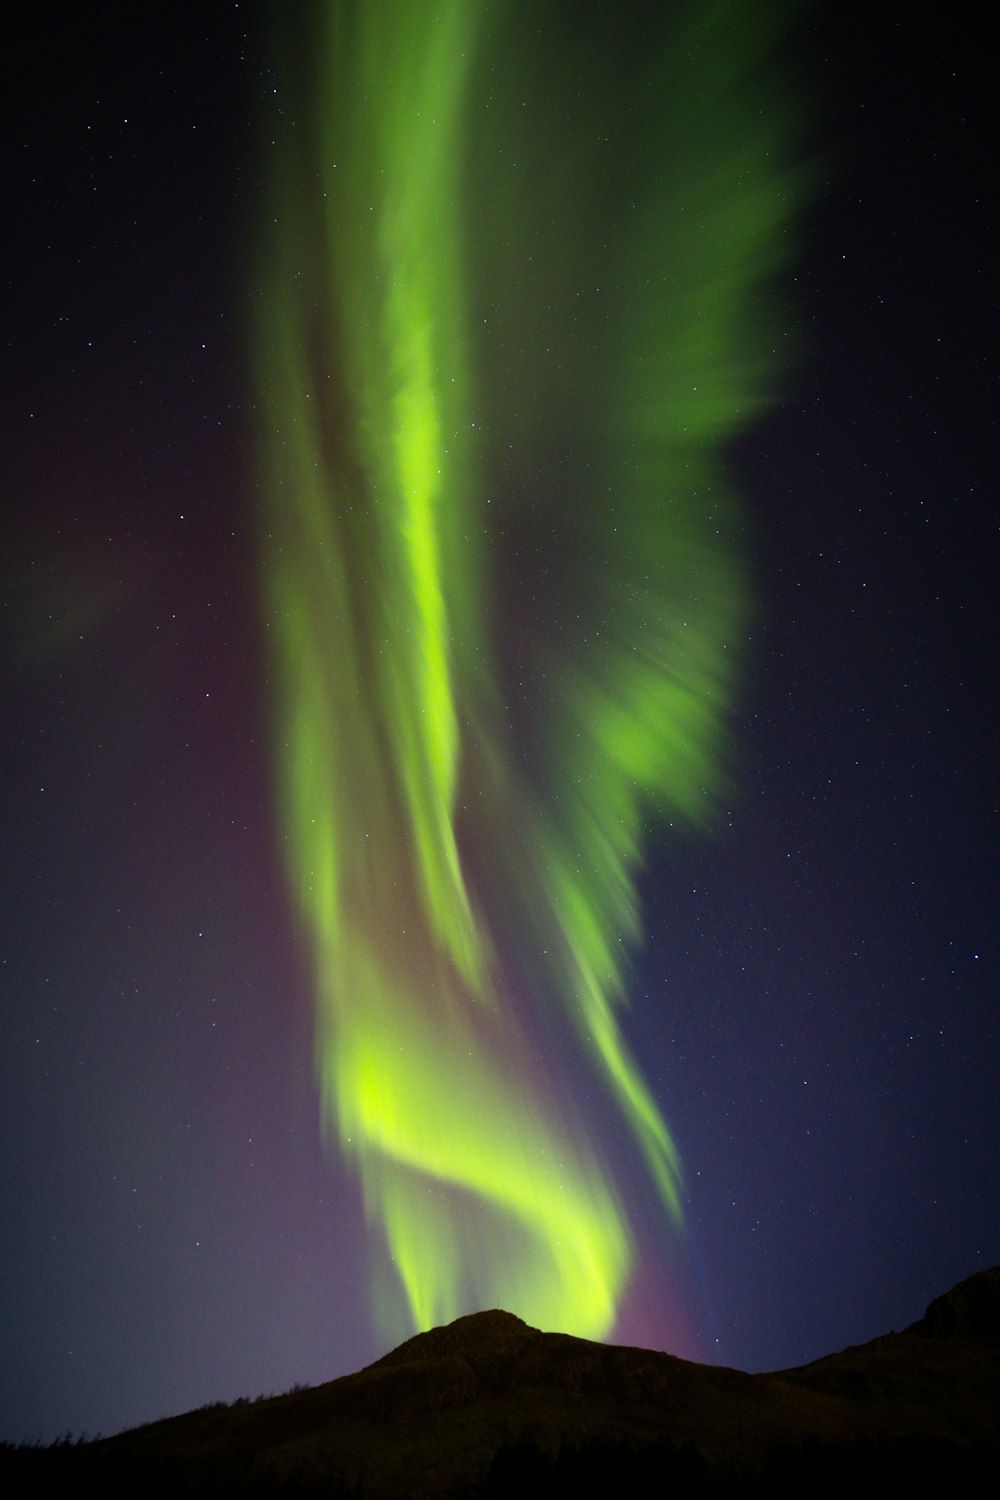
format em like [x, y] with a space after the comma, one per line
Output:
[518, 296]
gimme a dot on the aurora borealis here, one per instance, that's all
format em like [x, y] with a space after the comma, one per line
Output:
[792, 939]
[461, 858]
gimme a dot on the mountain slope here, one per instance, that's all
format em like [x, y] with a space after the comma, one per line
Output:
[490, 1406]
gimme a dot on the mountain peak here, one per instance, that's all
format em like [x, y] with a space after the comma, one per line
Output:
[492, 1331]
[971, 1310]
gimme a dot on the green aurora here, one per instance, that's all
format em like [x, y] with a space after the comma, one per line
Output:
[519, 293]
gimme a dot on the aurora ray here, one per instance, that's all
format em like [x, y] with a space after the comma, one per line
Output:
[518, 295]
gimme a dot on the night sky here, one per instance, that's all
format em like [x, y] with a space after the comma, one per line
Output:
[815, 1006]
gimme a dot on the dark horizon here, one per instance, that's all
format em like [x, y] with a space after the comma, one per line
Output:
[488, 1405]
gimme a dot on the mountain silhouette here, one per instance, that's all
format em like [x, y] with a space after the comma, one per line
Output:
[489, 1406]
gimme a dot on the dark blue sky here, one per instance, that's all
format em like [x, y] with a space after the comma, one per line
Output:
[816, 1006]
